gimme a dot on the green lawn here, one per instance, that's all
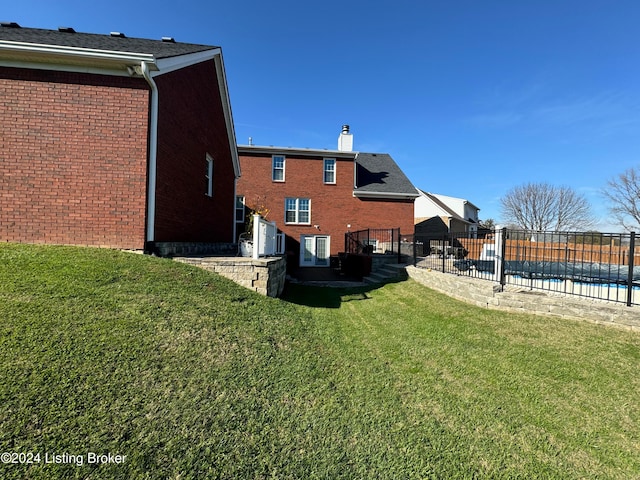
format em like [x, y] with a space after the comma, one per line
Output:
[190, 376]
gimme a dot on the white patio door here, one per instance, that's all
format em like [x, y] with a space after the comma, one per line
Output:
[314, 250]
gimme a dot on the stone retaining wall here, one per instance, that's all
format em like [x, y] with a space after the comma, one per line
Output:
[264, 275]
[488, 295]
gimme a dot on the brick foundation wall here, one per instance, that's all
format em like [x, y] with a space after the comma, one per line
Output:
[172, 249]
[73, 158]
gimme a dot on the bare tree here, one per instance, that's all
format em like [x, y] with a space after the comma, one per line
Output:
[623, 192]
[542, 207]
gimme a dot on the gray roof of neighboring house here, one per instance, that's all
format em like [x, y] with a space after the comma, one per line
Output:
[157, 48]
[378, 173]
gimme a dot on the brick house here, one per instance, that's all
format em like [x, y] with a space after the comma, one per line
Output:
[113, 141]
[316, 196]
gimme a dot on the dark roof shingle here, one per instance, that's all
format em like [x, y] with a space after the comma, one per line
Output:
[379, 173]
[158, 48]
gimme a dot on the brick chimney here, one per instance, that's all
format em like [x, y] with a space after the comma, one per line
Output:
[345, 140]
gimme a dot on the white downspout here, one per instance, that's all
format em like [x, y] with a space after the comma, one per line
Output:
[153, 152]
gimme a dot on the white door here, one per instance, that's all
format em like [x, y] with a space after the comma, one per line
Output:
[314, 251]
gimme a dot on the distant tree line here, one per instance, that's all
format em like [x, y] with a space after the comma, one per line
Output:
[540, 207]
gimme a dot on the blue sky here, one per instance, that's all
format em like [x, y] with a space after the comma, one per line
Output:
[471, 98]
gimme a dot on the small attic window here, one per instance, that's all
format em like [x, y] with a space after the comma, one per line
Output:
[66, 30]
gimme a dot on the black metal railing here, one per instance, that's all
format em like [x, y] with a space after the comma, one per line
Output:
[374, 241]
[589, 264]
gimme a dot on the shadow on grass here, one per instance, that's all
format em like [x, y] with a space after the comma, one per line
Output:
[326, 297]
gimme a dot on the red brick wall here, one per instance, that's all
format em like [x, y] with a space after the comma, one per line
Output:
[333, 207]
[73, 155]
[191, 124]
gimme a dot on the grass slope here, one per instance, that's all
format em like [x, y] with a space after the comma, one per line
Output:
[191, 376]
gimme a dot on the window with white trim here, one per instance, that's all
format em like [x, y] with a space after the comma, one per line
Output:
[297, 210]
[209, 176]
[329, 170]
[277, 168]
[240, 209]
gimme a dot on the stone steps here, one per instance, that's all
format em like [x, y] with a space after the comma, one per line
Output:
[390, 272]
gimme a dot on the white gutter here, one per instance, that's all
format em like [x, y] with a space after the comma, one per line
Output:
[391, 195]
[301, 151]
[62, 50]
[153, 153]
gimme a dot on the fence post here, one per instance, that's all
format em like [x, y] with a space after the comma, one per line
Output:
[444, 241]
[399, 255]
[415, 248]
[499, 253]
[256, 236]
[503, 253]
[632, 248]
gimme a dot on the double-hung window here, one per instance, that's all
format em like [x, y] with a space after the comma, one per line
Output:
[277, 168]
[329, 170]
[208, 176]
[239, 209]
[297, 210]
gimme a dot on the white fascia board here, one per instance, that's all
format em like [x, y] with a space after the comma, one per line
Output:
[170, 64]
[228, 116]
[385, 195]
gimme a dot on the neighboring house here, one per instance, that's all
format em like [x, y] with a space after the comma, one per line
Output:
[440, 214]
[316, 196]
[113, 141]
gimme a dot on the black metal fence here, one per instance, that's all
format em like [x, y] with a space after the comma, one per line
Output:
[587, 264]
[374, 240]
